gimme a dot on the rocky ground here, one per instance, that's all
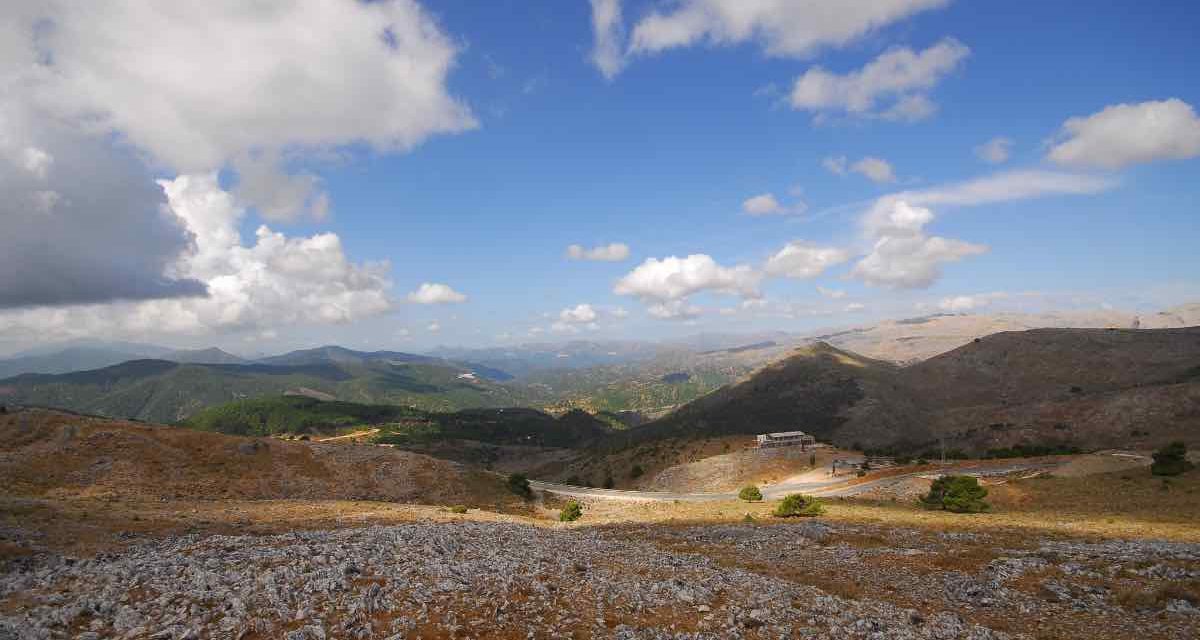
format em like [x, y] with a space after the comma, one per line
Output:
[470, 579]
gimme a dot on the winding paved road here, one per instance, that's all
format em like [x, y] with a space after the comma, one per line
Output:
[833, 488]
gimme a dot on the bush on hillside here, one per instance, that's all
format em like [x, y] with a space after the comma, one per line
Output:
[608, 482]
[571, 512]
[458, 508]
[959, 494]
[750, 494]
[636, 471]
[795, 505]
[1171, 460]
[519, 484]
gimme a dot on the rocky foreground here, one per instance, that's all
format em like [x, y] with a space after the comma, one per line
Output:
[473, 579]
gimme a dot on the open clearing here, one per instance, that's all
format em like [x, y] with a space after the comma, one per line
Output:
[114, 551]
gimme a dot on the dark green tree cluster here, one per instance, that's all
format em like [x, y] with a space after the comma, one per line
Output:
[959, 494]
[1171, 460]
[519, 484]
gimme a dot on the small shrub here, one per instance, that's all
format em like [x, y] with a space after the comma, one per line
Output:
[750, 494]
[747, 518]
[571, 512]
[958, 494]
[636, 471]
[608, 482]
[458, 508]
[861, 473]
[575, 481]
[1171, 460]
[798, 505]
[519, 484]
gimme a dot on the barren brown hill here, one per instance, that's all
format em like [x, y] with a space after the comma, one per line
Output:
[1089, 387]
[1080, 387]
[817, 388]
[50, 454]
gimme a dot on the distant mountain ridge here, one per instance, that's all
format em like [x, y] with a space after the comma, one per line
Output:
[1090, 388]
[167, 391]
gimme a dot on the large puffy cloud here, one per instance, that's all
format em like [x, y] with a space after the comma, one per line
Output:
[1125, 134]
[903, 255]
[289, 77]
[795, 28]
[614, 252]
[277, 280]
[674, 278]
[902, 76]
[804, 260]
[79, 222]
[435, 293]
[911, 261]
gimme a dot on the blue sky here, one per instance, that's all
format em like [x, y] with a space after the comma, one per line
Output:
[663, 155]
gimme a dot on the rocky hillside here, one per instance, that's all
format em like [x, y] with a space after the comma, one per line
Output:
[1094, 388]
[55, 454]
[1084, 387]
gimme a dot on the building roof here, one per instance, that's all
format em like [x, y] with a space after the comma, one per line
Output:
[785, 434]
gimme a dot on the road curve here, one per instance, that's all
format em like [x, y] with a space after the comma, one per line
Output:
[829, 489]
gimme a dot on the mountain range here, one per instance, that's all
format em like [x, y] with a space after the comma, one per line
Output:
[1090, 388]
[146, 382]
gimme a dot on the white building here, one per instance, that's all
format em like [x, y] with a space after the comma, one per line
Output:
[786, 439]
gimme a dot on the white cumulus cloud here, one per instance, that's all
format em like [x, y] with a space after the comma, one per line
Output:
[614, 252]
[903, 255]
[911, 261]
[836, 294]
[277, 280]
[259, 87]
[800, 259]
[435, 293]
[900, 75]
[673, 278]
[1125, 134]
